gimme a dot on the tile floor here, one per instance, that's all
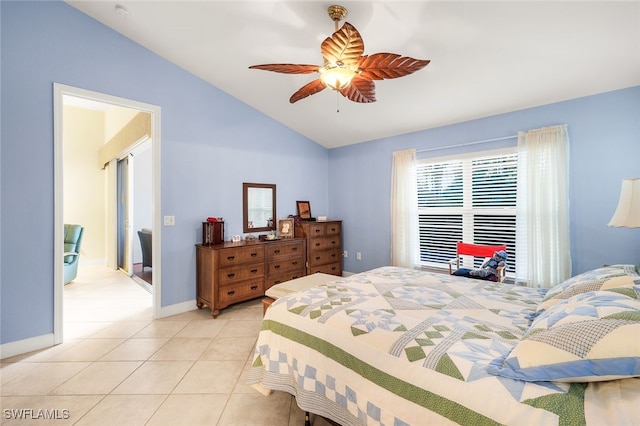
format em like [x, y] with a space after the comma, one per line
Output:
[119, 366]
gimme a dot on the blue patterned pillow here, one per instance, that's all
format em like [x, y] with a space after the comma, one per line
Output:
[590, 337]
[623, 279]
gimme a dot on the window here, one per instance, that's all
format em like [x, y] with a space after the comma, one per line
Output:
[471, 199]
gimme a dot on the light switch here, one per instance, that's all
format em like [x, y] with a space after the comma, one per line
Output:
[169, 220]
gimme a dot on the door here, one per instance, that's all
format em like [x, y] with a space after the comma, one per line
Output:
[123, 209]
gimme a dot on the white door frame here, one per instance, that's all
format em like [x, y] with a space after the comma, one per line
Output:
[59, 90]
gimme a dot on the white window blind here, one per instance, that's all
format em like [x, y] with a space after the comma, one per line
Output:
[470, 199]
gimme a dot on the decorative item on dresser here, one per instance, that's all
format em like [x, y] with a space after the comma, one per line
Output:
[324, 245]
[231, 272]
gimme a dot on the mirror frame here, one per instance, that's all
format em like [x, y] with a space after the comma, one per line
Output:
[245, 207]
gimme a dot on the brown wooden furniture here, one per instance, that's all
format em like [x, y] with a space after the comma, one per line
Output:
[324, 245]
[229, 273]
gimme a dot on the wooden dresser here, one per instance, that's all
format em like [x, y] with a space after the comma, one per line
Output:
[229, 273]
[324, 245]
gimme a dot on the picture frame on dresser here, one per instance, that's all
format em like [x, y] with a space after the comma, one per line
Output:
[286, 228]
[304, 209]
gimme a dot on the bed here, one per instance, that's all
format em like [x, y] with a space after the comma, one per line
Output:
[395, 346]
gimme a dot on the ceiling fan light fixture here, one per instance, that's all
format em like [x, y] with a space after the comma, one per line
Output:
[346, 68]
[337, 77]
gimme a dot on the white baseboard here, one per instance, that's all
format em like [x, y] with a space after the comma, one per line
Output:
[178, 308]
[20, 347]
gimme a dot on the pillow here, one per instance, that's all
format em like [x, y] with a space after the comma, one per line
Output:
[465, 272]
[590, 337]
[623, 279]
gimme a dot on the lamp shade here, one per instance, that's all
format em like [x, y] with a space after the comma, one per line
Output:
[627, 213]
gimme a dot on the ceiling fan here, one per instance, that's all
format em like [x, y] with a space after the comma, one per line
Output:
[346, 69]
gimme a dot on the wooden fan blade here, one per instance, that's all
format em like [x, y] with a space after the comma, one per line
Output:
[307, 90]
[345, 45]
[380, 66]
[360, 90]
[287, 68]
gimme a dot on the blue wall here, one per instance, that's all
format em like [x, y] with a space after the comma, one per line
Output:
[211, 143]
[604, 133]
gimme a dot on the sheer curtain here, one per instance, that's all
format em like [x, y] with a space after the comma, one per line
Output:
[404, 208]
[542, 212]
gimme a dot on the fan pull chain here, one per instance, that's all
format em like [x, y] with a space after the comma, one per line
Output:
[337, 102]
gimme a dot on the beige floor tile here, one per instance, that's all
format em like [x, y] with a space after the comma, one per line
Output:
[43, 355]
[97, 378]
[208, 329]
[88, 350]
[185, 316]
[81, 329]
[265, 410]
[12, 370]
[211, 377]
[204, 409]
[162, 328]
[61, 410]
[182, 348]
[120, 330]
[122, 410]
[135, 349]
[42, 378]
[154, 377]
[229, 348]
[242, 328]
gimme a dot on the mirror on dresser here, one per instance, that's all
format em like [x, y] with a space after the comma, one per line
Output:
[258, 207]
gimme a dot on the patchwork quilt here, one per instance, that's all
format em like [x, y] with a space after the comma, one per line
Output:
[396, 346]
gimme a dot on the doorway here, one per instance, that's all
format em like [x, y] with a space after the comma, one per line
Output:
[111, 229]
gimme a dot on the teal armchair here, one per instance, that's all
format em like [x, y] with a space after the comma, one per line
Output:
[72, 241]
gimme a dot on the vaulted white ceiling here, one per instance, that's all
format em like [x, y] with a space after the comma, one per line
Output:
[487, 58]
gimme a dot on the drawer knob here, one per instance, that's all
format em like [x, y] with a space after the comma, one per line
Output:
[294, 248]
[277, 251]
[231, 292]
[277, 282]
[231, 275]
[254, 287]
[317, 231]
[317, 244]
[333, 255]
[230, 257]
[276, 266]
[253, 271]
[317, 257]
[295, 262]
[254, 254]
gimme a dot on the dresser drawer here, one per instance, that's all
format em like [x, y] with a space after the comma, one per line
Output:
[241, 255]
[240, 291]
[317, 230]
[325, 256]
[333, 229]
[277, 279]
[329, 268]
[326, 243]
[283, 249]
[239, 273]
[278, 266]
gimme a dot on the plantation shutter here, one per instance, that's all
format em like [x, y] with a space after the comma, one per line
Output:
[470, 199]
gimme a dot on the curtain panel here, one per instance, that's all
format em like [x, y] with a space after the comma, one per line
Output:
[404, 208]
[542, 211]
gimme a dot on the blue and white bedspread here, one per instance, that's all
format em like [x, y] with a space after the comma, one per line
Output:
[395, 346]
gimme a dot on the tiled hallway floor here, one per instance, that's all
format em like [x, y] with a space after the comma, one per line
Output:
[119, 366]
